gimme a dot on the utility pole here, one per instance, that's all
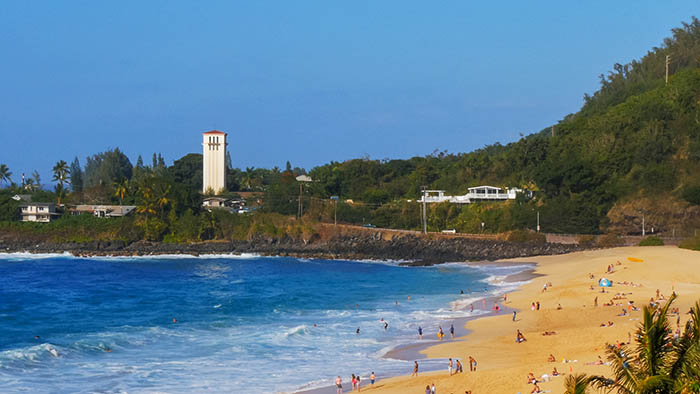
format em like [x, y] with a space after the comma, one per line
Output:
[643, 229]
[335, 210]
[538, 221]
[668, 62]
[425, 215]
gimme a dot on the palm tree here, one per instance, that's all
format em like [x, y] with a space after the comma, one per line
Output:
[576, 384]
[5, 173]
[122, 189]
[60, 174]
[657, 363]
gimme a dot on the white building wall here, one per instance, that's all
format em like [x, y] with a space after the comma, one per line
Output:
[214, 152]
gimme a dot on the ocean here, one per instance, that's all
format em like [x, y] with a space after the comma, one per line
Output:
[183, 324]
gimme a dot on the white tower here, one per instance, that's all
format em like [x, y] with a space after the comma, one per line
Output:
[214, 151]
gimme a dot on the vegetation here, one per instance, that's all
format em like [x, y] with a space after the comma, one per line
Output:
[656, 363]
[692, 243]
[633, 150]
[651, 241]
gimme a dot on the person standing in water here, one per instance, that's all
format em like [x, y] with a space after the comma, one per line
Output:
[514, 313]
[415, 368]
[452, 331]
[420, 332]
[338, 385]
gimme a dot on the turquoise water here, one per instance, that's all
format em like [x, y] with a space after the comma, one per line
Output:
[243, 323]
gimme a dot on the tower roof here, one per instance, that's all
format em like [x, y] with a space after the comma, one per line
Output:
[214, 132]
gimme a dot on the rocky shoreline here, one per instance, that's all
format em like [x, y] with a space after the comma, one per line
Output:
[415, 250]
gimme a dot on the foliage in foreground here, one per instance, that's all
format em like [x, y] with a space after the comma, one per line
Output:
[657, 363]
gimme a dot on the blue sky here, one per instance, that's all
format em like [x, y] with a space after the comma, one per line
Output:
[304, 81]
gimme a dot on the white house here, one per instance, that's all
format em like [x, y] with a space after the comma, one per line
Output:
[478, 193]
[214, 161]
[42, 212]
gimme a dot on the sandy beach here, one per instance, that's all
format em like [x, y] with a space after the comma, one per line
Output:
[503, 365]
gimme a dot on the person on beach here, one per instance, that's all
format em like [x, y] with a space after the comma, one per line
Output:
[535, 389]
[420, 332]
[354, 381]
[551, 358]
[458, 368]
[441, 334]
[449, 367]
[452, 331]
[338, 385]
[538, 305]
[472, 364]
[371, 378]
[471, 308]
[520, 337]
[415, 368]
[427, 389]
[514, 313]
[595, 301]
[358, 383]
[432, 389]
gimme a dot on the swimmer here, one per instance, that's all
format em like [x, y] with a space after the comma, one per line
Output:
[357, 331]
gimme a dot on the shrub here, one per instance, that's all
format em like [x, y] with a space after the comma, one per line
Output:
[692, 243]
[651, 241]
[526, 236]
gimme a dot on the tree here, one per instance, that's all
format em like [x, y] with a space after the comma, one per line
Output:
[576, 384]
[657, 363]
[60, 174]
[37, 179]
[76, 176]
[106, 168]
[121, 190]
[5, 173]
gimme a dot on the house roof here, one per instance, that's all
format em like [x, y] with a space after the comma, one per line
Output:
[37, 204]
[214, 132]
[484, 187]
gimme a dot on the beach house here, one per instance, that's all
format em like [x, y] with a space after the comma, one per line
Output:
[474, 194]
[41, 212]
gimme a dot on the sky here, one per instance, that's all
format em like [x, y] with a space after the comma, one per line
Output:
[303, 81]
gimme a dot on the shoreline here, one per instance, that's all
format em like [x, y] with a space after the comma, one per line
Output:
[416, 349]
[411, 249]
[579, 338]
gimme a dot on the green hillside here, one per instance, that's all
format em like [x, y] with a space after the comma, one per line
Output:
[634, 139]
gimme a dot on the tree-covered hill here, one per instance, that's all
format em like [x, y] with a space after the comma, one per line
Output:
[634, 139]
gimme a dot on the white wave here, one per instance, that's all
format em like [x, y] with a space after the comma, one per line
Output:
[32, 256]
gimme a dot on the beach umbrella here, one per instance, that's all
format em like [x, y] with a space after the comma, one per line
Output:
[604, 282]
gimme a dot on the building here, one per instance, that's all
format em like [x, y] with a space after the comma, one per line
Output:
[103, 211]
[478, 193]
[214, 162]
[232, 205]
[42, 212]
